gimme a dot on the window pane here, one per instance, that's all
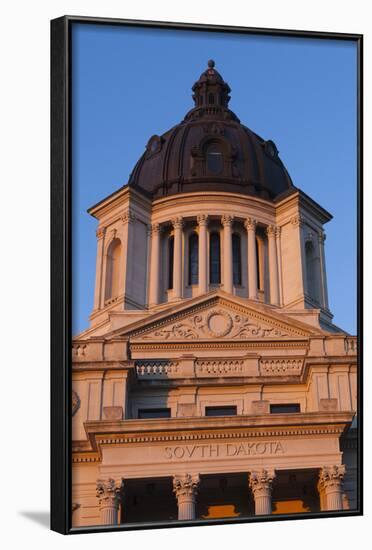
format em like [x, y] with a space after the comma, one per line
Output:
[237, 260]
[215, 259]
[170, 261]
[285, 408]
[229, 410]
[214, 159]
[154, 413]
[193, 259]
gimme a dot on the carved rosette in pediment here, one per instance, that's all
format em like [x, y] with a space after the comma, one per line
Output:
[216, 323]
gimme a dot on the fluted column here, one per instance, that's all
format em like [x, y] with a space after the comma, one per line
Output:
[185, 488]
[250, 225]
[177, 257]
[227, 222]
[273, 265]
[330, 487]
[203, 253]
[108, 493]
[323, 274]
[260, 483]
[154, 281]
[99, 266]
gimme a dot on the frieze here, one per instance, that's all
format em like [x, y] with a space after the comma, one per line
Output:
[224, 450]
[217, 323]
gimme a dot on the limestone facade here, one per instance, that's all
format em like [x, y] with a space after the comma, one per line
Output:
[211, 381]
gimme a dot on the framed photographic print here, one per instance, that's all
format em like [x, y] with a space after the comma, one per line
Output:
[206, 357]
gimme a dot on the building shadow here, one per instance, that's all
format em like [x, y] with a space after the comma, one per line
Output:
[42, 518]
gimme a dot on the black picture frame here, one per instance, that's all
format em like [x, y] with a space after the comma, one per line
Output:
[61, 273]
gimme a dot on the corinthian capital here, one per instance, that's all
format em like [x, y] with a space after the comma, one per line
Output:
[227, 220]
[321, 237]
[128, 217]
[250, 224]
[108, 492]
[100, 233]
[177, 222]
[186, 485]
[202, 219]
[271, 230]
[260, 481]
[331, 475]
[155, 228]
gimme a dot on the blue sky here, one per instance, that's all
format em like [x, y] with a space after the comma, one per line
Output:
[131, 83]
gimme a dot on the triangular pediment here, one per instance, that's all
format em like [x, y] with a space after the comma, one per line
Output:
[217, 316]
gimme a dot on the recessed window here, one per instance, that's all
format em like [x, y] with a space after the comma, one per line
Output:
[193, 259]
[229, 410]
[170, 261]
[154, 413]
[237, 259]
[214, 159]
[215, 259]
[285, 408]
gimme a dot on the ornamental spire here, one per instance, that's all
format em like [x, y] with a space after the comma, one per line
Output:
[211, 90]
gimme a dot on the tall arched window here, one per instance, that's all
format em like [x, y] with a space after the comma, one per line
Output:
[170, 261]
[258, 265]
[193, 259]
[214, 259]
[214, 159]
[112, 270]
[237, 259]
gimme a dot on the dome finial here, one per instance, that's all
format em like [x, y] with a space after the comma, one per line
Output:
[211, 63]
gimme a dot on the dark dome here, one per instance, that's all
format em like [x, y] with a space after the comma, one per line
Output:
[210, 150]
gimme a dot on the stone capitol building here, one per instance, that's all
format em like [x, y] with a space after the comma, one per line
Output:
[211, 382]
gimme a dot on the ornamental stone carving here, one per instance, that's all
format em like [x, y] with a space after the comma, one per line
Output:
[322, 237]
[331, 476]
[177, 223]
[155, 228]
[260, 483]
[271, 230]
[202, 219]
[100, 233]
[297, 220]
[185, 485]
[216, 323]
[250, 224]
[128, 217]
[75, 402]
[108, 493]
[284, 367]
[227, 220]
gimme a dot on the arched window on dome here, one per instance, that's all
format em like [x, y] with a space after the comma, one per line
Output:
[237, 259]
[214, 259]
[214, 158]
[170, 261]
[113, 270]
[193, 259]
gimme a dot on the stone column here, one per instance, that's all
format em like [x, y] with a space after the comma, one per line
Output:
[273, 265]
[323, 274]
[177, 257]
[185, 488]
[330, 487]
[99, 267]
[154, 281]
[260, 483]
[250, 225]
[108, 493]
[203, 253]
[227, 222]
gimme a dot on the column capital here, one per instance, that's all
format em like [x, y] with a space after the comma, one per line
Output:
[227, 220]
[321, 237]
[278, 231]
[202, 219]
[260, 481]
[250, 224]
[271, 230]
[177, 222]
[100, 233]
[297, 220]
[185, 485]
[154, 229]
[331, 476]
[108, 493]
[128, 217]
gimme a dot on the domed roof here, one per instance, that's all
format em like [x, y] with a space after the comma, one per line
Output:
[210, 150]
